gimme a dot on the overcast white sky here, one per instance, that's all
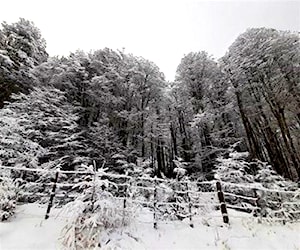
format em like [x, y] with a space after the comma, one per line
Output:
[161, 31]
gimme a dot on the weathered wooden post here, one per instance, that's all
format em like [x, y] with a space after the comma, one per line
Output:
[190, 204]
[52, 195]
[94, 185]
[125, 201]
[222, 202]
[258, 210]
[155, 204]
[125, 196]
[261, 204]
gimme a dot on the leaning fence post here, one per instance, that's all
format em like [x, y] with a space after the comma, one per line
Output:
[52, 195]
[222, 201]
[155, 204]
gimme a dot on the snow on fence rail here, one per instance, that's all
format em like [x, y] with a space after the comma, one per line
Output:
[189, 198]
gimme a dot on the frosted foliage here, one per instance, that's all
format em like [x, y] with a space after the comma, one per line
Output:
[8, 196]
[24, 43]
[234, 169]
[263, 67]
[270, 179]
[200, 118]
[15, 148]
[5, 59]
[180, 168]
[94, 211]
[277, 197]
[33, 123]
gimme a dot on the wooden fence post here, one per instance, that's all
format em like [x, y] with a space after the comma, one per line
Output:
[94, 185]
[258, 210]
[261, 203]
[52, 195]
[190, 204]
[155, 204]
[125, 201]
[222, 201]
[125, 196]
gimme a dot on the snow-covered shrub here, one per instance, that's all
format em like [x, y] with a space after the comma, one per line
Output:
[180, 168]
[40, 131]
[142, 168]
[120, 164]
[174, 198]
[39, 128]
[268, 177]
[8, 196]
[147, 167]
[235, 169]
[283, 199]
[276, 196]
[94, 211]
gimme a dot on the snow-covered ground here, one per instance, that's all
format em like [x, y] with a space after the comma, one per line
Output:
[29, 230]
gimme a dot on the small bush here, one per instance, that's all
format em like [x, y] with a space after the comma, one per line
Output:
[93, 212]
[8, 197]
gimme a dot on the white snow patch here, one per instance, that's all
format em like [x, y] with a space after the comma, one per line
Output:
[238, 155]
[29, 230]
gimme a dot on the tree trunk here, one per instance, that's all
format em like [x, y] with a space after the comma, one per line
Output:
[253, 144]
[173, 138]
[160, 160]
[143, 135]
[185, 140]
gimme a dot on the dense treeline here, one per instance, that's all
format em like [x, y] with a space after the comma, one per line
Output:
[263, 67]
[117, 109]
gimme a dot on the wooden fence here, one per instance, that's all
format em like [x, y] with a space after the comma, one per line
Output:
[166, 199]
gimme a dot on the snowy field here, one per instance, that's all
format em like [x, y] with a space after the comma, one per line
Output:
[29, 230]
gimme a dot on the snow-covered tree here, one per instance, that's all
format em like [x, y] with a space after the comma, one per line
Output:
[94, 211]
[21, 49]
[206, 118]
[274, 195]
[8, 195]
[262, 65]
[40, 129]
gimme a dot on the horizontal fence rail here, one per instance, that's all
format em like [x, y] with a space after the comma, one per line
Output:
[168, 200]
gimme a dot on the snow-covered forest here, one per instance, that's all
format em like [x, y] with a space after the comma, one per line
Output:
[102, 138]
